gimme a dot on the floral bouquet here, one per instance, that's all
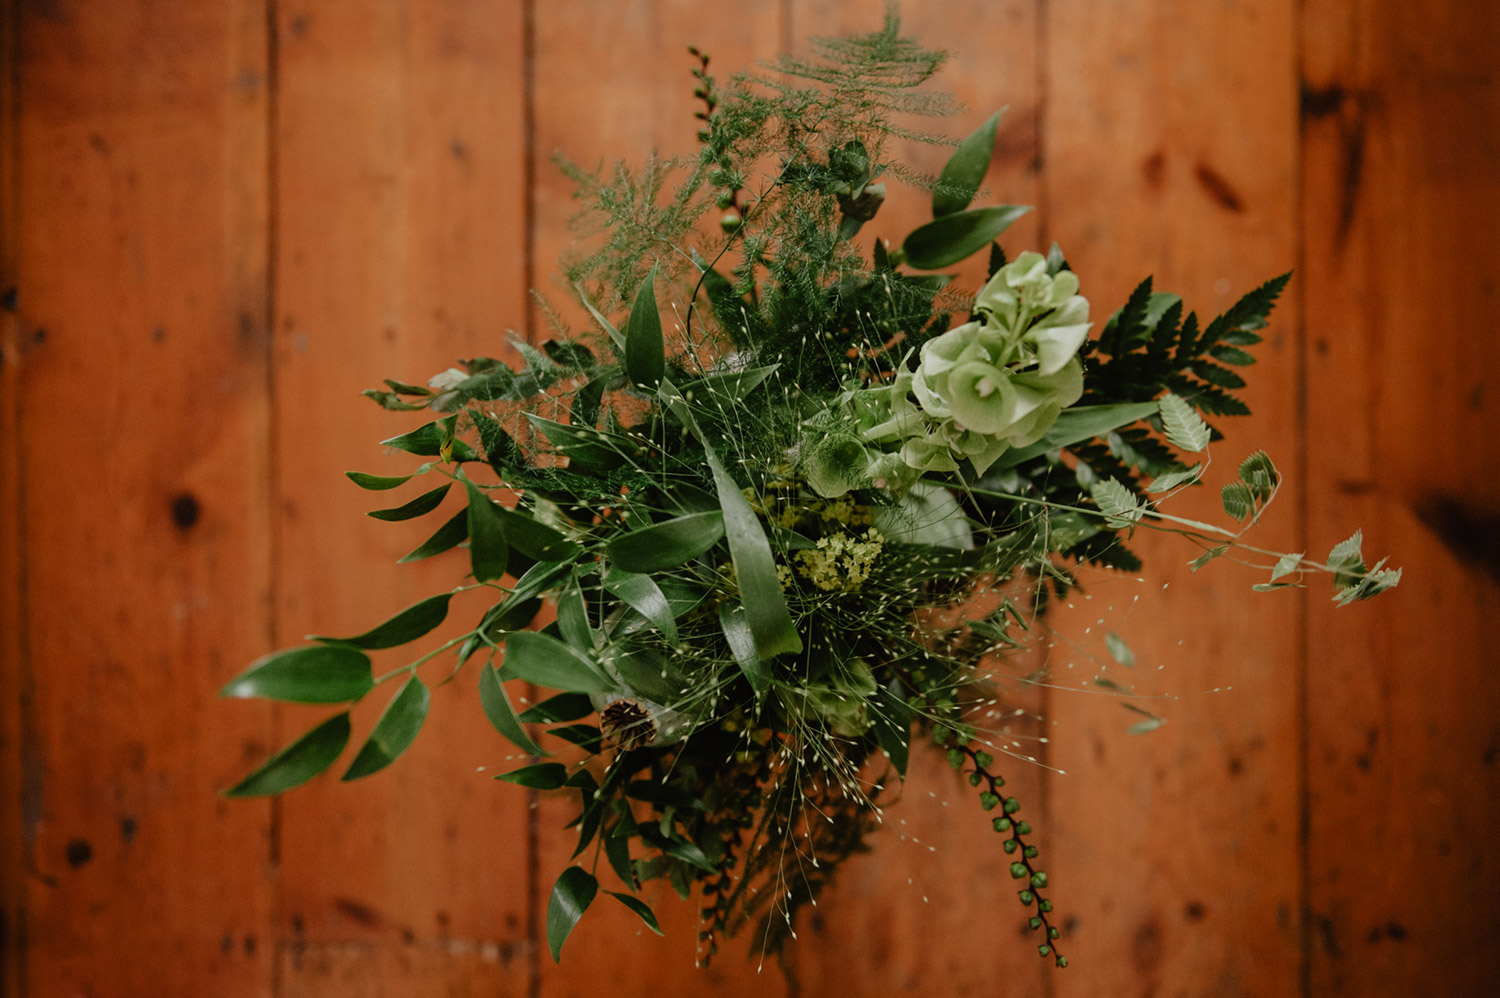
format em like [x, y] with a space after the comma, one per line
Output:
[787, 507]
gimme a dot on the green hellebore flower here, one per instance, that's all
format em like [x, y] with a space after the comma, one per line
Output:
[1020, 292]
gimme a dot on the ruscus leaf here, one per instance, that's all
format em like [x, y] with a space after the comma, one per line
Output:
[666, 544]
[408, 625]
[645, 353]
[396, 729]
[571, 896]
[944, 241]
[638, 906]
[298, 762]
[488, 549]
[540, 776]
[965, 169]
[546, 661]
[502, 715]
[315, 674]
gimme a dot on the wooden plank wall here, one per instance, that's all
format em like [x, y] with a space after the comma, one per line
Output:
[222, 220]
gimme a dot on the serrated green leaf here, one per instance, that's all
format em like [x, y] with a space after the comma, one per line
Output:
[965, 170]
[666, 544]
[1174, 478]
[546, 661]
[1347, 556]
[422, 504]
[1119, 650]
[1207, 556]
[1116, 501]
[315, 674]
[298, 762]
[396, 729]
[446, 537]
[1260, 475]
[489, 551]
[1232, 355]
[638, 906]
[539, 776]
[378, 483]
[642, 593]
[1237, 500]
[571, 896]
[645, 352]
[1286, 565]
[408, 625]
[944, 241]
[496, 704]
[1183, 426]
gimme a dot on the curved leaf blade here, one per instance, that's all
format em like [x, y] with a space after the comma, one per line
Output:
[377, 483]
[645, 352]
[548, 662]
[741, 642]
[965, 169]
[642, 593]
[944, 241]
[315, 674]
[571, 896]
[489, 551]
[640, 907]
[422, 504]
[298, 762]
[501, 714]
[408, 625]
[539, 776]
[446, 537]
[394, 732]
[666, 544]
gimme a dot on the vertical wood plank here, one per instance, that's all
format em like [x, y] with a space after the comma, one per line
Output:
[400, 218]
[1169, 152]
[138, 449]
[932, 908]
[612, 82]
[1401, 117]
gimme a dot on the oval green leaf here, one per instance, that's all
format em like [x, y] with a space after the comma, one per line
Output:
[501, 714]
[377, 483]
[571, 896]
[645, 353]
[395, 730]
[546, 661]
[666, 544]
[316, 674]
[298, 762]
[965, 170]
[944, 241]
[541, 776]
[428, 441]
[408, 625]
[422, 504]
[488, 549]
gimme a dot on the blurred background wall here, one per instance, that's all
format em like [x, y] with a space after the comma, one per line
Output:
[222, 219]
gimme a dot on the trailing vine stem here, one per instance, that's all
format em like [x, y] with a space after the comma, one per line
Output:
[1022, 868]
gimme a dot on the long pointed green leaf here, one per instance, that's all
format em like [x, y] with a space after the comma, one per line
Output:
[298, 762]
[488, 549]
[642, 593]
[397, 727]
[944, 241]
[446, 537]
[638, 906]
[540, 776]
[408, 625]
[535, 539]
[546, 661]
[377, 483]
[666, 544]
[571, 896]
[502, 715]
[741, 643]
[1076, 425]
[645, 352]
[965, 169]
[316, 674]
[421, 505]
[428, 441]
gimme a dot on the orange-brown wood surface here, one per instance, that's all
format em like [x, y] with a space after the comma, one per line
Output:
[221, 221]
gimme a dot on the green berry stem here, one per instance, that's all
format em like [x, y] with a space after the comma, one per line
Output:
[1022, 868]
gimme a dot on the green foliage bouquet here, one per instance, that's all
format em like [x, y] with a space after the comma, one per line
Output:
[790, 529]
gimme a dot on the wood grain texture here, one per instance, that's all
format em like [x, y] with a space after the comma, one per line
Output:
[1400, 116]
[400, 208]
[220, 222]
[1166, 154]
[140, 462]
